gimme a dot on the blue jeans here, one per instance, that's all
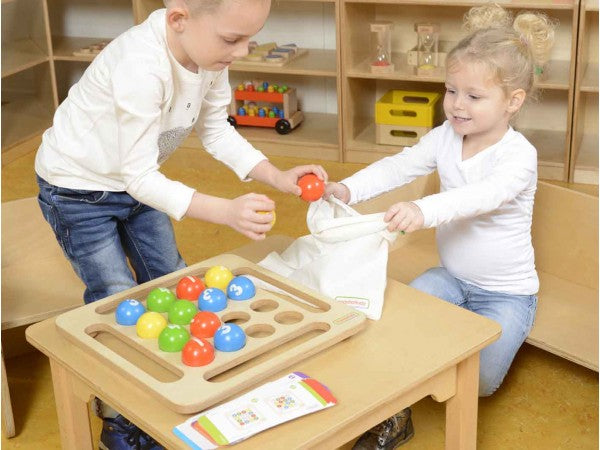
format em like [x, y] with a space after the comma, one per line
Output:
[514, 313]
[99, 230]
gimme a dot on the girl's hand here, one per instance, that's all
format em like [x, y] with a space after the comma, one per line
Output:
[287, 181]
[242, 214]
[338, 190]
[404, 216]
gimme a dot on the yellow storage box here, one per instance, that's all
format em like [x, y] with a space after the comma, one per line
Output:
[410, 108]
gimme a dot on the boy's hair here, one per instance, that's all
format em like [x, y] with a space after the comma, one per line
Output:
[514, 50]
[198, 6]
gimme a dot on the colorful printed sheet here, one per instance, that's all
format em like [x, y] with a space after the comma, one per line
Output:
[269, 405]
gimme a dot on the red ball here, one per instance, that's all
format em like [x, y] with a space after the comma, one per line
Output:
[312, 187]
[197, 352]
[189, 288]
[205, 324]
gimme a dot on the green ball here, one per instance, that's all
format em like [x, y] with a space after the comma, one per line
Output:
[260, 89]
[281, 90]
[181, 312]
[173, 338]
[160, 299]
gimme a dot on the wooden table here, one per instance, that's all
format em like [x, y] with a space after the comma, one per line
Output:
[421, 346]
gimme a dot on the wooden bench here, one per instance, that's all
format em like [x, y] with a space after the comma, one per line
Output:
[565, 239]
[33, 268]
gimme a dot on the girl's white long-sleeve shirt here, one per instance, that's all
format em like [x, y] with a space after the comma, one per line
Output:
[483, 211]
[133, 106]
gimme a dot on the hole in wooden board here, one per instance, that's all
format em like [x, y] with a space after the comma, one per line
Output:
[288, 317]
[264, 305]
[267, 352]
[260, 330]
[236, 317]
[137, 355]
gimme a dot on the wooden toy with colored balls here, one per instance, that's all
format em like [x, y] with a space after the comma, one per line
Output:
[241, 288]
[204, 324]
[213, 300]
[181, 312]
[189, 288]
[160, 299]
[218, 277]
[197, 352]
[129, 311]
[150, 324]
[312, 187]
[172, 338]
[229, 338]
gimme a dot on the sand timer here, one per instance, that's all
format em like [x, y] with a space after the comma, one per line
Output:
[381, 59]
[427, 47]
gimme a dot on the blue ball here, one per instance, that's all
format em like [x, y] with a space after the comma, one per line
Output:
[241, 288]
[229, 338]
[212, 299]
[129, 311]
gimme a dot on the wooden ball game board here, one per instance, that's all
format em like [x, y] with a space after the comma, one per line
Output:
[284, 323]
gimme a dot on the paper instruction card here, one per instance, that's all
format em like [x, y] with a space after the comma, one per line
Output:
[279, 401]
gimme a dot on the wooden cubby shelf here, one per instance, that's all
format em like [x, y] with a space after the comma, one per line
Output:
[563, 124]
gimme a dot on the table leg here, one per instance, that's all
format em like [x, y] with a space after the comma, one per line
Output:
[461, 410]
[73, 415]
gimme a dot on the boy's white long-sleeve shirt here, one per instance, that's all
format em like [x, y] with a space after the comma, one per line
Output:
[484, 209]
[134, 105]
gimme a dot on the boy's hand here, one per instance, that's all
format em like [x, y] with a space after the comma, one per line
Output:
[404, 216]
[338, 190]
[287, 181]
[242, 214]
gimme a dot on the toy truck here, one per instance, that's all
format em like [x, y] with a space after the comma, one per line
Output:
[261, 104]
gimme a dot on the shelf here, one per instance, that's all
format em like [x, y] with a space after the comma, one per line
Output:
[316, 62]
[20, 55]
[586, 164]
[589, 81]
[520, 4]
[557, 73]
[402, 71]
[23, 119]
[64, 46]
[316, 137]
[549, 144]
[591, 5]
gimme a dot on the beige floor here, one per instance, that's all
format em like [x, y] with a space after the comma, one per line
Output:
[544, 403]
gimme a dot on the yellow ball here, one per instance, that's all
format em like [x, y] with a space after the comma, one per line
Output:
[150, 324]
[272, 212]
[218, 277]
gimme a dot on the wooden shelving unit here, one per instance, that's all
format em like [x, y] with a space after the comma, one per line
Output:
[584, 142]
[562, 125]
[28, 82]
[547, 124]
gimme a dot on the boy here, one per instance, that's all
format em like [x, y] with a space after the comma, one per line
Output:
[98, 166]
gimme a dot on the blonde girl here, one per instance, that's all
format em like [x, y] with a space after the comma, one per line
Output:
[488, 177]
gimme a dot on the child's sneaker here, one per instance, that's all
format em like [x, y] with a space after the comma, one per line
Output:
[120, 434]
[389, 434]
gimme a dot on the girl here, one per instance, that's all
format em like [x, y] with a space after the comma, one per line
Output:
[488, 177]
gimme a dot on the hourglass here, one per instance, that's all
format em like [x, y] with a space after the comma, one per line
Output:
[427, 48]
[381, 59]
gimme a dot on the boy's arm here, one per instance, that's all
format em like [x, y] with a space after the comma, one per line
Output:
[138, 91]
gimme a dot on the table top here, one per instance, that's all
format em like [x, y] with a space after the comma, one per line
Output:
[418, 337]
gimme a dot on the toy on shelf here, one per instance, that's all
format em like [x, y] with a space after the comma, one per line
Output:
[403, 117]
[444, 47]
[270, 54]
[427, 48]
[381, 60]
[91, 50]
[260, 104]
